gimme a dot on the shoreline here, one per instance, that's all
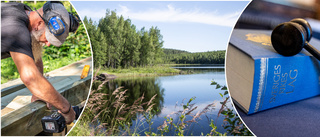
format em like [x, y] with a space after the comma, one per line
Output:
[163, 70]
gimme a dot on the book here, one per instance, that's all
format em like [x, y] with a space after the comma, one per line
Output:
[259, 78]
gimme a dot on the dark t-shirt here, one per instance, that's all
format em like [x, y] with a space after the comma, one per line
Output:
[15, 35]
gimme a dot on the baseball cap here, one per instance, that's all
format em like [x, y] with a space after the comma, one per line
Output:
[57, 17]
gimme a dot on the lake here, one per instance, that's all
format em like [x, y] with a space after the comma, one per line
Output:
[172, 91]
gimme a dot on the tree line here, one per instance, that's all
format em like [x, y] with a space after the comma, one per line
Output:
[167, 51]
[116, 43]
[183, 57]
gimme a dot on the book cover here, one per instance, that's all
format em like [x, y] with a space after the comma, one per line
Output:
[277, 80]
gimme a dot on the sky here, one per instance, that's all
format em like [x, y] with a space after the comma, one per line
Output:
[194, 26]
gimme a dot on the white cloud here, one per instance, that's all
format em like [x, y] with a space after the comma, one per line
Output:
[170, 109]
[169, 14]
[172, 14]
[92, 14]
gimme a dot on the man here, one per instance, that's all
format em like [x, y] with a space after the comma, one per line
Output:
[23, 32]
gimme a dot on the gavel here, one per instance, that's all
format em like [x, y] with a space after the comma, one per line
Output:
[289, 38]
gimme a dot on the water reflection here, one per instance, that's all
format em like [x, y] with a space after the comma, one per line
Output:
[201, 68]
[207, 66]
[172, 90]
[137, 87]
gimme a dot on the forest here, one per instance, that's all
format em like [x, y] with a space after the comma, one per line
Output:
[184, 57]
[117, 43]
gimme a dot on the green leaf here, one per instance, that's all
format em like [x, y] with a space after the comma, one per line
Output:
[224, 88]
[213, 83]
[221, 95]
[218, 86]
[224, 112]
[225, 93]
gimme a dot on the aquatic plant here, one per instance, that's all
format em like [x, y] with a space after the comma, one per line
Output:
[232, 122]
[107, 114]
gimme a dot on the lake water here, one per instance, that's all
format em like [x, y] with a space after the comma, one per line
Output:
[173, 90]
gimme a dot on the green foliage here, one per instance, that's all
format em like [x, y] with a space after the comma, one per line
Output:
[182, 126]
[39, 4]
[117, 44]
[173, 51]
[32, 4]
[232, 122]
[115, 109]
[84, 129]
[52, 64]
[213, 131]
[178, 127]
[75, 48]
[182, 57]
[110, 111]
[142, 71]
[115, 115]
[8, 70]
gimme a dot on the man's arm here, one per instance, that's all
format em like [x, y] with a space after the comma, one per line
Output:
[40, 86]
[39, 65]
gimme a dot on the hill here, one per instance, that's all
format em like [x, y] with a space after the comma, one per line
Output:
[174, 51]
[184, 57]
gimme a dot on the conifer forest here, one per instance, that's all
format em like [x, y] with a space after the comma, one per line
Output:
[118, 43]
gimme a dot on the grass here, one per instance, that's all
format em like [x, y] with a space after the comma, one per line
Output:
[158, 70]
[113, 117]
[106, 114]
[49, 65]
[8, 70]
[82, 129]
[110, 111]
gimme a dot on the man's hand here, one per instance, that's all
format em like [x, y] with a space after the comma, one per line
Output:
[69, 117]
[39, 86]
[34, 98]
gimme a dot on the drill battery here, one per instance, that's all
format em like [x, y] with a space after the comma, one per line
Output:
[56, 123]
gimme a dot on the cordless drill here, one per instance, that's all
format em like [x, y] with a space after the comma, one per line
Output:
[56, 123]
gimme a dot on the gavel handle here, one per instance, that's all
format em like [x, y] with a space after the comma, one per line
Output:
[312, 50]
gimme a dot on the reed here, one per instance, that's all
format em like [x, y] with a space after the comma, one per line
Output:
[108, 115]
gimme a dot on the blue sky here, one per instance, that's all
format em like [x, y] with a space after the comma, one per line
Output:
[194, 26]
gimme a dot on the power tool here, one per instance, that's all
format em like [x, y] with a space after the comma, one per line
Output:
[56, 123]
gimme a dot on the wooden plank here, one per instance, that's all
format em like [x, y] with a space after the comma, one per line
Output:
[58, 78]
[30, 117]
[25, 91]
[17, 84]
[59, 86]
[66, 81]
[6, 110]
[9, 89]
[26, 121]
[16, 103]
